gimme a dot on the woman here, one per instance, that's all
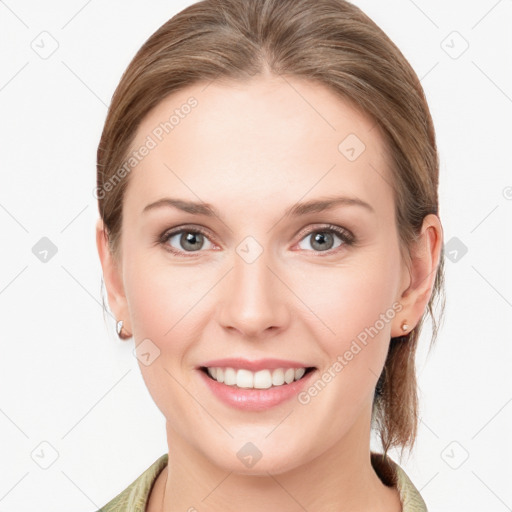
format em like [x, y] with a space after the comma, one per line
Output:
[270, 238]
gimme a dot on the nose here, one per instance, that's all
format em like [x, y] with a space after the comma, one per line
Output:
[254, 302]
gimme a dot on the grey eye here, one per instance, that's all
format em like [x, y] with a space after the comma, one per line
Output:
[322, 240]
[188, 240]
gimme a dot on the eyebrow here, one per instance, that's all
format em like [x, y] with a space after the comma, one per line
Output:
[312, 206]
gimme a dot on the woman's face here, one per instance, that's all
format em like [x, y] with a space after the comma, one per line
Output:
[263, 277]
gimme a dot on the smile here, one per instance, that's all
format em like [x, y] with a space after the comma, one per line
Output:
[262, 379]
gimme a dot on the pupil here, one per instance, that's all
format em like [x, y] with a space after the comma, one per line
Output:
[320, 238]
[191, 241]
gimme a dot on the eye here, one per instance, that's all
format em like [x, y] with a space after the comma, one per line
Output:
[185, 240]
[323, 239]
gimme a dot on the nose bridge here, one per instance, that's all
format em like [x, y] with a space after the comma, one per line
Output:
[253, 301]
[251, 273]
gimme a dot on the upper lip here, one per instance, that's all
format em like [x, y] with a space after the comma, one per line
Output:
[260, 364]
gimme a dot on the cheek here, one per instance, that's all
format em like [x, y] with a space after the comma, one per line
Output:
[350, 298]
[159, 296]
[356, 306]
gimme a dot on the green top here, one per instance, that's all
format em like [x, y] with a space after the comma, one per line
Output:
[135, 497]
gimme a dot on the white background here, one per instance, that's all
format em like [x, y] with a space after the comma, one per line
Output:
[65, 378]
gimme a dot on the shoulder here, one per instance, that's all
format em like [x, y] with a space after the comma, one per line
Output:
[134, 498]
[392, 474]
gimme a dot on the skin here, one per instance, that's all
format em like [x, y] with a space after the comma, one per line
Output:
[251, 151]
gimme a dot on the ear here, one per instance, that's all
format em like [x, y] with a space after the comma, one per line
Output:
[112, 276]
[419, 277]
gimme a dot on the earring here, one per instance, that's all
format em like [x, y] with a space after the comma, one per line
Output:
[405, 326]
[120, 332]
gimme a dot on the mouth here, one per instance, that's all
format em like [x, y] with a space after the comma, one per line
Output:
[262, 379]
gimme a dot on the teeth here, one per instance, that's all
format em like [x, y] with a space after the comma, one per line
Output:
[229, 376]
[289, 375]
[244, 379]
[278, 377]
[299, 372]
[262, 379]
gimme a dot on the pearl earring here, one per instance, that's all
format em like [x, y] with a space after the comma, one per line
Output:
[119, 327]
[405, 327]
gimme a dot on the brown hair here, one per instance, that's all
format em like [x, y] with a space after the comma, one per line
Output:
[330, 42]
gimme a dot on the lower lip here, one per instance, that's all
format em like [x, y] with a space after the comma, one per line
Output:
[255, 399]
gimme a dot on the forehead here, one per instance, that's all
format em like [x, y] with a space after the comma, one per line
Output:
[269, 137]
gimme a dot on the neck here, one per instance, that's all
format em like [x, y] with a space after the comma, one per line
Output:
[341, 479]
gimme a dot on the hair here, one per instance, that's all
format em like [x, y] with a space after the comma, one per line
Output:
[328, 42]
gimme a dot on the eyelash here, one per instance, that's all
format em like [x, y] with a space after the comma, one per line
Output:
[346, 236]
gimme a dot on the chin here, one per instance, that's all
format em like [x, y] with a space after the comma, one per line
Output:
[257, 458]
